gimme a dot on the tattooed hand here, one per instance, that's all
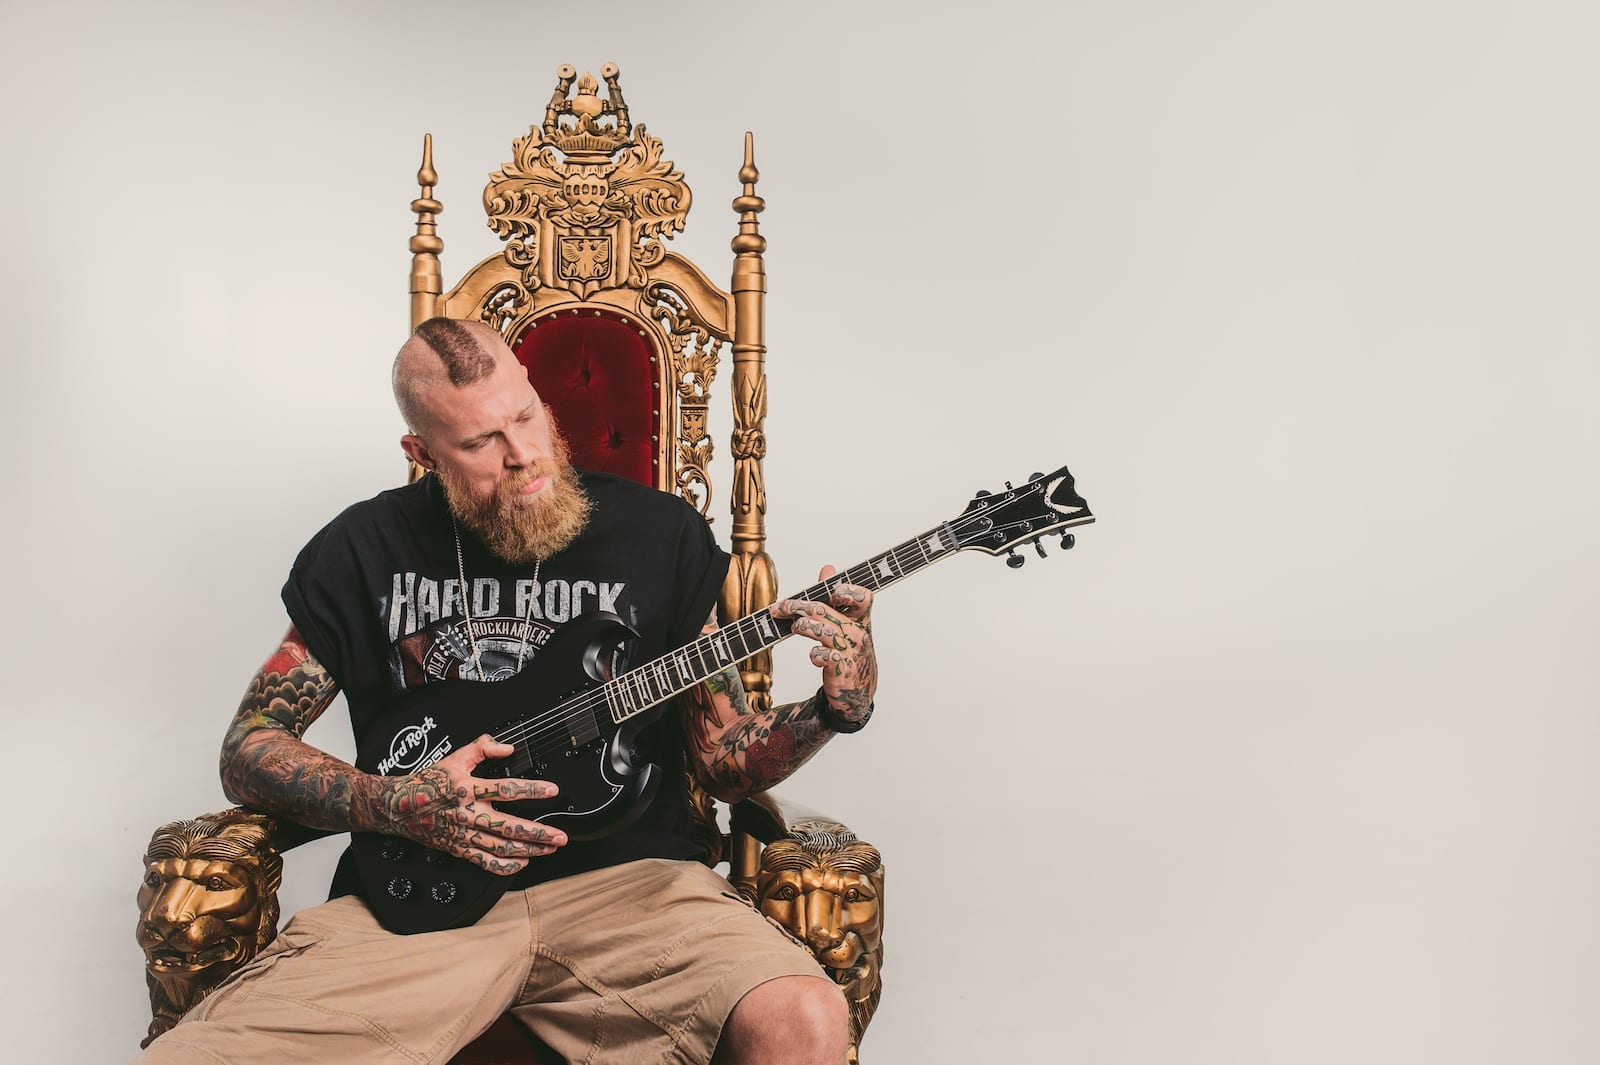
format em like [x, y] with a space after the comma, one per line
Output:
[266, 765]
[449, 809]
[842, 628]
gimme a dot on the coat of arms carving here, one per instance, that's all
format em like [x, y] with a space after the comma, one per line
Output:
[587, 199]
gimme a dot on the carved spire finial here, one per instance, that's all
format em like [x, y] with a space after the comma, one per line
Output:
[426, 280]
[749, 204]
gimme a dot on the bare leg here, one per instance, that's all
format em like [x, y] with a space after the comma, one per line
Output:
[790, 1020]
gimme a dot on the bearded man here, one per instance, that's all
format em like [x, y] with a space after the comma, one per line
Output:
[618, 949]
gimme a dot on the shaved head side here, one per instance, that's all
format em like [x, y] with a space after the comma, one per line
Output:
[441, 351]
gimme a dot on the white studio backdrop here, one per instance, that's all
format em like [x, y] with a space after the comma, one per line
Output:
[1289, 761]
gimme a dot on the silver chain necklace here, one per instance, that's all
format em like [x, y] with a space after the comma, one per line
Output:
[466, 605]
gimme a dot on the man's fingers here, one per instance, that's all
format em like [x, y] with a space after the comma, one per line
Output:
[532, 832]
[852, 599]
[480, 750]
[480, 826]
[502, 866]
[502, 847]
[826, 656]
[805, 608]
[512, 789]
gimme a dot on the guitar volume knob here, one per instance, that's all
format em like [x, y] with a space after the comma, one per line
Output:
[444, 892]
[399, 888]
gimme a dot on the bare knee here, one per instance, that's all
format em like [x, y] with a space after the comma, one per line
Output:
[792, 1020]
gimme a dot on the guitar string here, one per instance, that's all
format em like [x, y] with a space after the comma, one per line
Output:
[587, 703]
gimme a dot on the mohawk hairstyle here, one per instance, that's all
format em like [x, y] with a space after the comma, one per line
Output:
[460, 348]
[464, 352]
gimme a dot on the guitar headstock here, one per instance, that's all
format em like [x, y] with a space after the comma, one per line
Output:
[998, 522]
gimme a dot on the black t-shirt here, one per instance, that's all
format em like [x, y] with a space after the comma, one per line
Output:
[377, 597]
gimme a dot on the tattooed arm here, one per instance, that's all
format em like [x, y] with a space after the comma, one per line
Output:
[265, 765]
[735, 751]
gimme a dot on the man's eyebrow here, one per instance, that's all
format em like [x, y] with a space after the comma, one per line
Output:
[490, 434]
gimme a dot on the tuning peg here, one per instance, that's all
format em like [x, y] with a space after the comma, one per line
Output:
[983, 492]
[1008, 485]
[1067, 540]
[1035, 476]
[1014, 560]
[1038, 545]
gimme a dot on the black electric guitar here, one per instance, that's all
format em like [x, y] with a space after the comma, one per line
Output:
[574, 724]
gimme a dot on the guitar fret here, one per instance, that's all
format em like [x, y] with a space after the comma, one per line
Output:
[748, 644]
[697, 655]
[765, 626]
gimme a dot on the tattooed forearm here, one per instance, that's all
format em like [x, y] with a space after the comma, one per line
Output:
[706, 705]
[738, 751]
[263, 763]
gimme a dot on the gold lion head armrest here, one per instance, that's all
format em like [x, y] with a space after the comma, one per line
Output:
[822, 885]
[208, 903]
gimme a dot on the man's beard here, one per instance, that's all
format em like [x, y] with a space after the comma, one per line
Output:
[517, 530]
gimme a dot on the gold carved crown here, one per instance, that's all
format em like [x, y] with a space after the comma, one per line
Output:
[584, 138]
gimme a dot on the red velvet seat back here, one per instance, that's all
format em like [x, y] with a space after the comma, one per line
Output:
[596, 371]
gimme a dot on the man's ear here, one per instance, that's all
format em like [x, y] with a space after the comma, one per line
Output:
[416, 449]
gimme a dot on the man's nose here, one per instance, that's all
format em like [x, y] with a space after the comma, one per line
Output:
[520, 453]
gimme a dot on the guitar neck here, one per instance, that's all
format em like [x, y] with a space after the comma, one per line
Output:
[639, 689]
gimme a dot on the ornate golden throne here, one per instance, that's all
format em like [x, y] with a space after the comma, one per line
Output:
[624, 339]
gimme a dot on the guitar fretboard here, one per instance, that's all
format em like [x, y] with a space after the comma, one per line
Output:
[639, 689]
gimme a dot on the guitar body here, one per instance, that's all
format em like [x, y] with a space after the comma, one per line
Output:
[603, 783]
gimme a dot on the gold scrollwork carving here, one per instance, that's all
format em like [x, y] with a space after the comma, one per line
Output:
[749, 446]
[750, 443]
[695, 355]
[697, 368]
[502, 306]
[524, 252]
[599, 193]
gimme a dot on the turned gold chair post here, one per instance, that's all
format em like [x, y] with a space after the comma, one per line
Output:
[753, 581]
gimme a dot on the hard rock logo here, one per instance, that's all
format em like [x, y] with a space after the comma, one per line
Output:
[408, 748]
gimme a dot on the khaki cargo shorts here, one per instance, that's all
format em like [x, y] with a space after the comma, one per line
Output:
[642, 962]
